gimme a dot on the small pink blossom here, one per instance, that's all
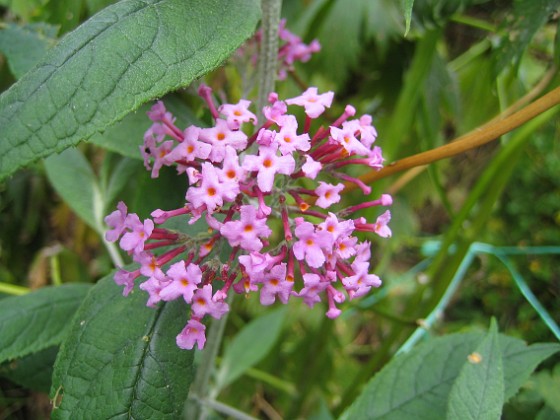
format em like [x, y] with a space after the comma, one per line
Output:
[236, 114]
[221, 136]
[313, 103]
[211, 192]
[133, 241]
[275, 285]
[311, 167]
[203, 304]
[184, 281]
[154, 287]
[246, 231]
[310, 244]
[328, 194]
[313, 286]
[116, 220]
[267, 164]
[193, 333]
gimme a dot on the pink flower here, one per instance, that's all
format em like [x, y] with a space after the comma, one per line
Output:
[202, 304]
[116, 220]
[162, 157]
[310, 244]
[193, 333]
[267, 164]
[346, 138]
[246, 231]
[327, 194]
[311, 167]
[211, 192]
[191, 148]
[154, 287]
[221, 136]
[313, 286]
[381, 225]
[288, 139]
[313, 103]
[276, 110]
[184, 281]
[237, 114]
[126, 279]
[133, 241]
[275, 284]
[361, 283]
[231, 169]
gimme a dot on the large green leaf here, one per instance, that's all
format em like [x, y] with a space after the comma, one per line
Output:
[249, 346]
[417, 384]
[37, 320]
[121, 360]
[478, 391]
[125, 55]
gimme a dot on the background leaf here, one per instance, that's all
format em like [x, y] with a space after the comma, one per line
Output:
[250, 346]
[125, 55]
[418, 383]
[121, 357]
[407, 14]
[33, 371]
[25, 45]
[478, 391]
[72, 177]
[38, 320]
[527, 18]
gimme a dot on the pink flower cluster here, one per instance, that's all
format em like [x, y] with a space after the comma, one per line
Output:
[291, 49]
[240, 184]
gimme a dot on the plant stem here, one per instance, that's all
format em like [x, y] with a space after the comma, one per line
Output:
[472, 140]
[13, 289]
[199, 389]
[268, 55]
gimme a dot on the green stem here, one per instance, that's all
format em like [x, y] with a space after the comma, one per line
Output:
[474, 22]
[13, 289]
[268, 56]
[199, 388]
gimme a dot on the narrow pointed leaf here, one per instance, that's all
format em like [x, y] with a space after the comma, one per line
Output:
[73, 179]
[407, 14]
[250, 346]
[37, 320]
[478, 391]
[120, 359]
[125, 55]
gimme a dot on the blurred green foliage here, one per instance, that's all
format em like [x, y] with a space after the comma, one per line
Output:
[461, 64]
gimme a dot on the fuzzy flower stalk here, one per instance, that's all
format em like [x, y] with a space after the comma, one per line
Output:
[269, 194]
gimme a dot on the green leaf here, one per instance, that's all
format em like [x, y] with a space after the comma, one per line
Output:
[521, 360]
[25, 45]
[37, 320]
[73, 179]
[478, 391]
[33, 371]
[419, 382]
[120, 359]
[125, 55]
[407, 14]
[250, 346]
